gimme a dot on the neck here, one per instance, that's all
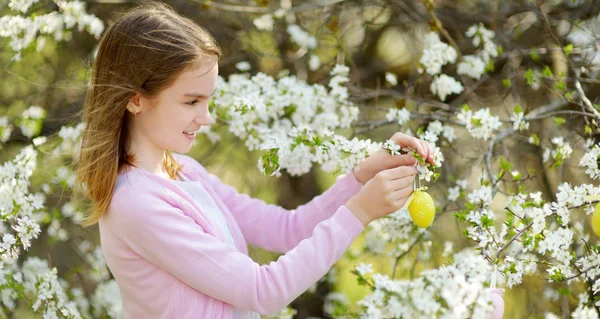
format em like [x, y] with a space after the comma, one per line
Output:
[148, 157]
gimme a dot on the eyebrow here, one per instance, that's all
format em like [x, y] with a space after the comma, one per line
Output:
[195, 94]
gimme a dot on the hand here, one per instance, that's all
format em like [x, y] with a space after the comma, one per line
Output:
[384, 194]
[381, 159]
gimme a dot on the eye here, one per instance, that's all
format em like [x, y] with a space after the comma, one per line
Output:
[192, 102]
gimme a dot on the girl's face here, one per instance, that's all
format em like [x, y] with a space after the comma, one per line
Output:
[163, 122]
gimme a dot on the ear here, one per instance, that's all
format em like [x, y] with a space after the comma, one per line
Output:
[134, 106]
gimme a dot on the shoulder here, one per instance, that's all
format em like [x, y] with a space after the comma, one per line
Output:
[190, 165]
[136, 193]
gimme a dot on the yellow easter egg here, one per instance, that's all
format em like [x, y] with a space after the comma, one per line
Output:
[422, 209]
[596, 220]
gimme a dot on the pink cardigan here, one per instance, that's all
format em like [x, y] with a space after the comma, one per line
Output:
[171, 262]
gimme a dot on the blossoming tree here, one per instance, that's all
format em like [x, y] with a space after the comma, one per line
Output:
[512, 118]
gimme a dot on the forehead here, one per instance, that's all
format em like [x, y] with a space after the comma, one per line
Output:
[201, 77]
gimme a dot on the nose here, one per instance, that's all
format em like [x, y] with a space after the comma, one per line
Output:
[203, 117]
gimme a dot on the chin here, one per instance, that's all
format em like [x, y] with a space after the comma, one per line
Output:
[183, 149]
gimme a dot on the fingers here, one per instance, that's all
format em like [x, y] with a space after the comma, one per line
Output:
[402, 194]
[405, 159]
[422, 147]
[399, 172]
[409, 141]
[429, 153]
[400, 183]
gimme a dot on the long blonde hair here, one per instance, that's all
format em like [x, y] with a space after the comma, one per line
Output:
[143, 51]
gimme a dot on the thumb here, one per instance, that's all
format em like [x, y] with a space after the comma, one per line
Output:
[403, 160]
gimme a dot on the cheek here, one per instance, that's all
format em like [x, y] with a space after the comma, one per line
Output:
[170, 121]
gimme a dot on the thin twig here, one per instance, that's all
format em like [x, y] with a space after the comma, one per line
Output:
[404, 254]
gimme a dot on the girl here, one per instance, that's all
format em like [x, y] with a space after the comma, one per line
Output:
[173, 235]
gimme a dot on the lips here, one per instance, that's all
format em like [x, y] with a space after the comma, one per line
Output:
[190, 136]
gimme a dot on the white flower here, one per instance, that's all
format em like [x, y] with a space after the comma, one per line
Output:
[391, 78]
[21, 5]
[590, 161]
[482, 196]
[401, 116]
[5, 129]
[39, 140]
[333, 299]
[26, 230]
[453, 193]
[562, 151]
[480, 36]
[314, 62]
[471, 66]
[243, 66]
[444, 85]
[34, 112]
[436, 54]
[107, 298]
[481, 125]
[264, 22]
[462, 183]
[536, 197]
[363, 269]
[557, 243]
[301, 37]
[519, 122]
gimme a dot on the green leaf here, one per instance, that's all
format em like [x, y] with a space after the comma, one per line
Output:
[568, 49]
[517, 176]
[462, 215]
[486, 221]
[557, 275]
[529, 76]
[534, 55]
[547, 72]
[559, 121]
[506, 82]
[518, 109]
[469, 206]
[504, 164]
[561, 85]
[536, 139]
[490, 67]
[500, 174]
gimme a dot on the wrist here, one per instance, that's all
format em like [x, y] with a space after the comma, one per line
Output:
[358, 174]
[360, 213]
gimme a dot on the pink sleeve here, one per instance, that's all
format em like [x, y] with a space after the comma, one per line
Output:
[166, 237]
[274, 228]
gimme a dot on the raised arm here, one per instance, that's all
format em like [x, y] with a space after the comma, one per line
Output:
[277, 229]
[168, 238]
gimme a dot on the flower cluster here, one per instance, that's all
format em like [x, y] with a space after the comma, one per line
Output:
[292, 121]
[31, 121]
[444, 85]
[590, 160]
[436, 54]
[401, 116]
[518, 119]
[480, 125]
[301, 37]
[483, 38]
[454, 291]
[23, 31]
[5, 129]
